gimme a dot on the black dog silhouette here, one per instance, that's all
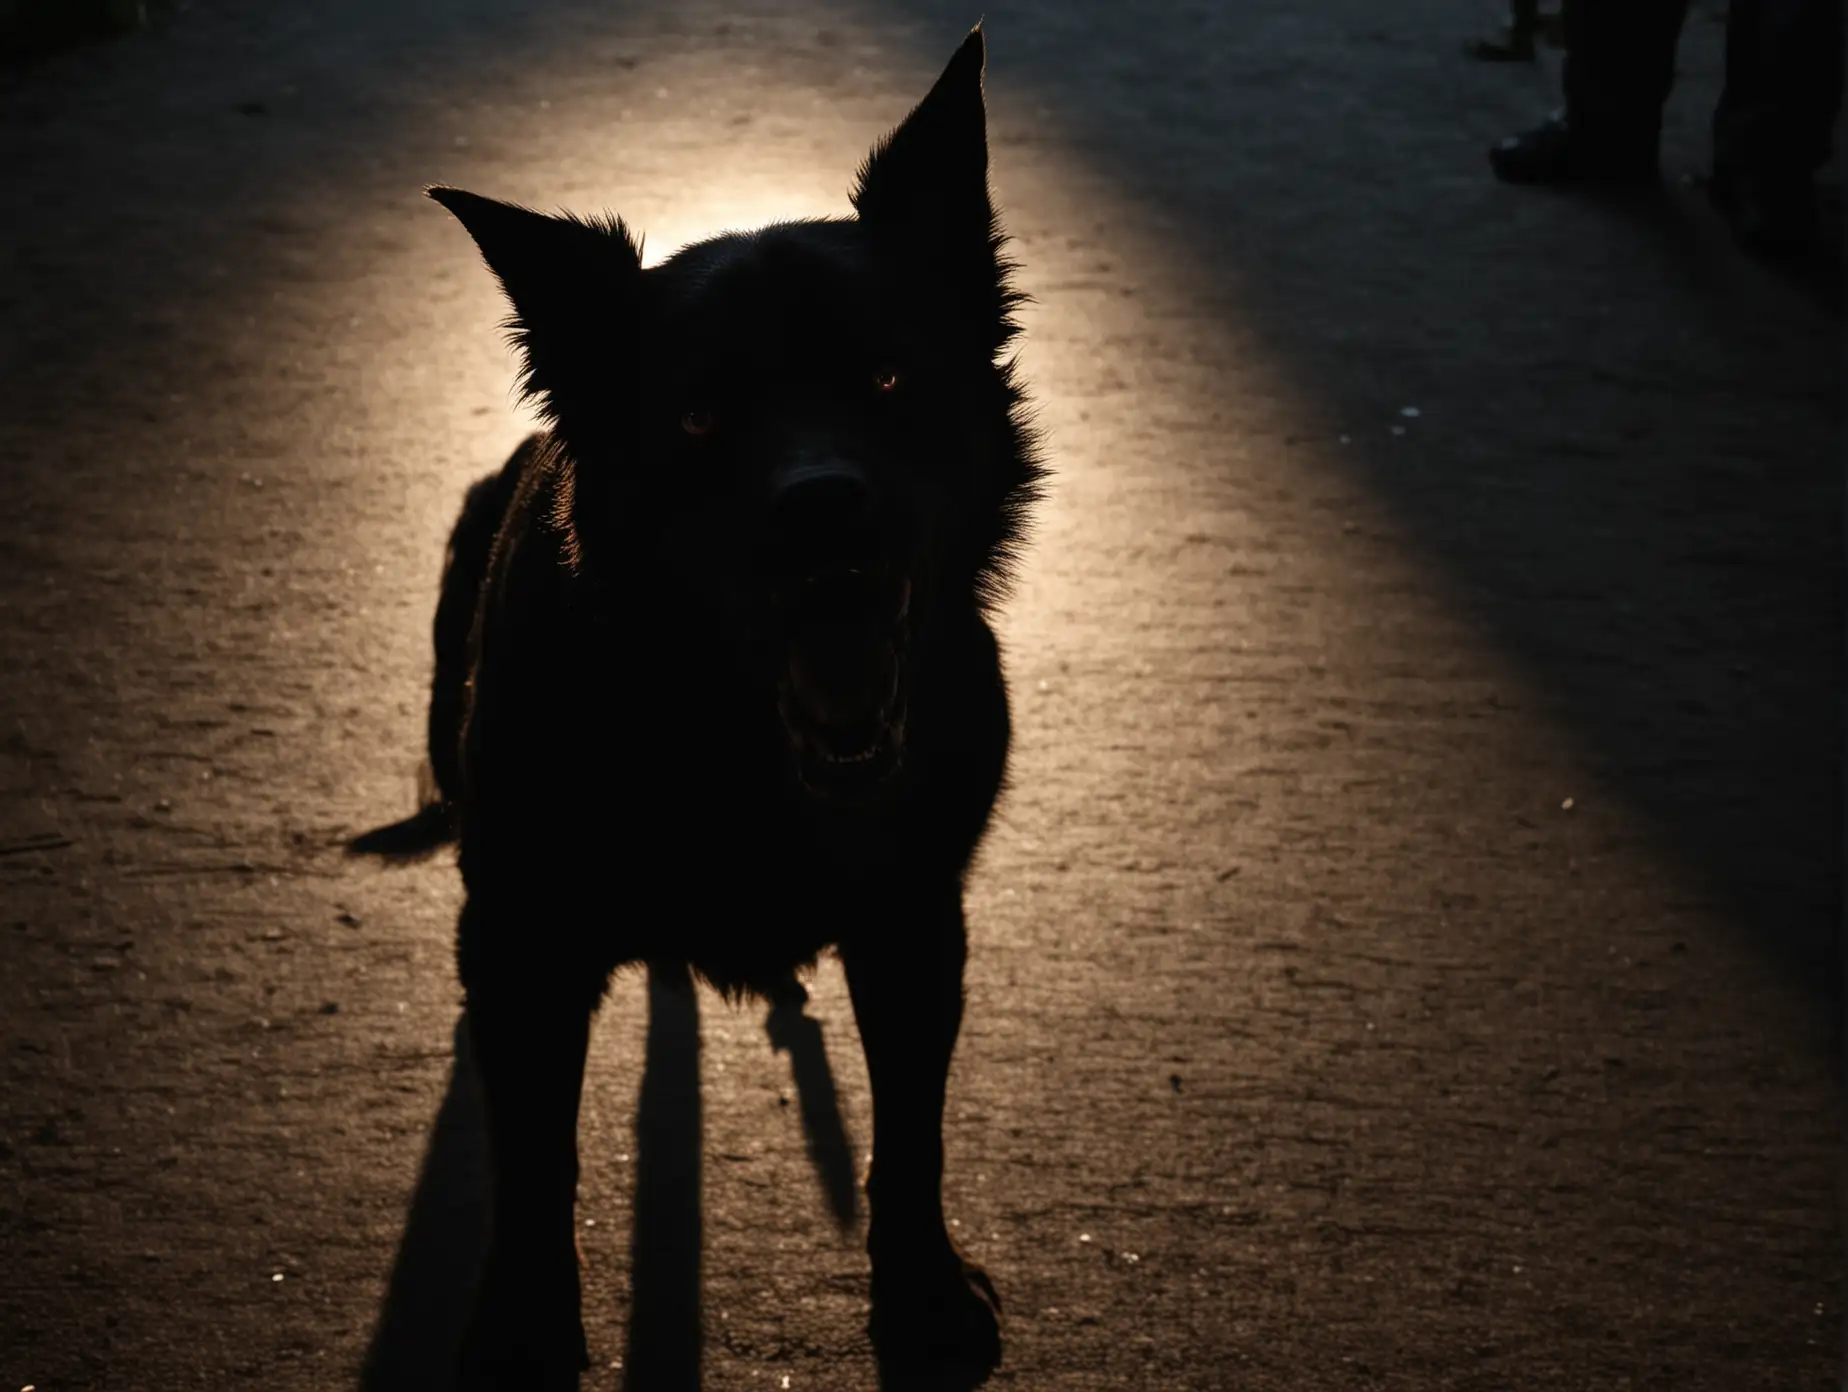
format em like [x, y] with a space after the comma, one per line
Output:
[715, 684]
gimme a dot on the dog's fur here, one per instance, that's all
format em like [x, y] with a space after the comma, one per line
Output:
[714, 681]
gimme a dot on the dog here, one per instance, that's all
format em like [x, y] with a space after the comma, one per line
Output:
[715, 682]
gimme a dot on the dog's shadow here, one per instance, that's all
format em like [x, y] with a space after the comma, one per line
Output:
[445, 1233]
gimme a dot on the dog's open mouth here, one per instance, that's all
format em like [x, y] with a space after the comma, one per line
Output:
[843, 684]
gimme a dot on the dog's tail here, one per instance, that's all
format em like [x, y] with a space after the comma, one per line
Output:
[465, 571]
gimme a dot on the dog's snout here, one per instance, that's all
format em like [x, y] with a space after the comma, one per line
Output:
[828, 494]
[822, 512]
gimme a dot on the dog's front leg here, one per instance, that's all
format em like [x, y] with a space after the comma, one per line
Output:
[931, 1306]
[529, 1026]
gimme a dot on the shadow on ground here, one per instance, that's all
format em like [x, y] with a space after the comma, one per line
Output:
[439, 1256]
[445, 1232]
[664, 1336]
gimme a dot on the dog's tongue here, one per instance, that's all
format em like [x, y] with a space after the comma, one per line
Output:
[838, 682]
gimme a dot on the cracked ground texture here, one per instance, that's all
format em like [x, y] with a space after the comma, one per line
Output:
[1406, 958]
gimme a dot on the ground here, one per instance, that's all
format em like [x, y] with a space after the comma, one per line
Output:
[1407, 956]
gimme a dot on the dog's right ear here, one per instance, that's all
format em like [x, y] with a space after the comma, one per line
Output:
[566, 279]
[924, 192]
[928, 179]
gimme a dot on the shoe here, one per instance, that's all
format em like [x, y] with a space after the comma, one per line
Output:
[1772, 215]
[1511, 45]
[1556, 152]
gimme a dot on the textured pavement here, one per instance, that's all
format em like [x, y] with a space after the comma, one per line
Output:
[1408, 956]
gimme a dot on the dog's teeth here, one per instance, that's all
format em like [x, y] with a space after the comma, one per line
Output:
[861, 756]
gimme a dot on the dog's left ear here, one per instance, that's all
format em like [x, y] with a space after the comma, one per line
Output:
[568, 280]
[926, 184]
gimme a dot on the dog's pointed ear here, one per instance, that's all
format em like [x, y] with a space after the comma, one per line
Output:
[565, 279]
[929, 177]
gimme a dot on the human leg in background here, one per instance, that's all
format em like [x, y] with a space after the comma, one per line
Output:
[1620, 65]
[1772, 126]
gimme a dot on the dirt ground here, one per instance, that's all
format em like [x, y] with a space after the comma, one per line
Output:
[1408, 957]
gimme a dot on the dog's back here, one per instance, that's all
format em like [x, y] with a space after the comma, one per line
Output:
[465, 572]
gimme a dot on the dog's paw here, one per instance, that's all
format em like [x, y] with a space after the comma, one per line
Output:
[936, 1326]
[525, 1333]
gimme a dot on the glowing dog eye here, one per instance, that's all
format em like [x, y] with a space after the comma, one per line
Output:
[697, 422]
[885, 379]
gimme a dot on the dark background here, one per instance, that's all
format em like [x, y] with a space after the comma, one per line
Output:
[1313, 1041]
